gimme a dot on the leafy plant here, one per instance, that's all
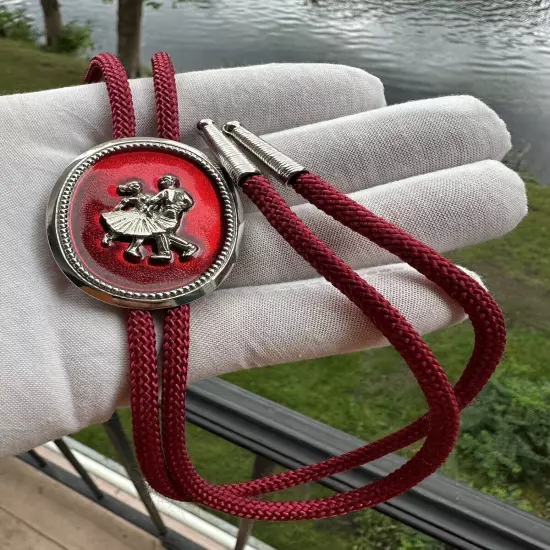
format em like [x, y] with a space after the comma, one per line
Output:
[373, 530]
[75, 38]
[17, 25]
[506, 435]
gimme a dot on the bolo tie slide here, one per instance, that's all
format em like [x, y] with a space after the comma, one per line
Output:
[151, 223]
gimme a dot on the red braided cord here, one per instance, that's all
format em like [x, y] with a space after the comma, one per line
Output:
[145, 397]
[166, 97]
[108, 67]
[141, 331]
[143, 368]
[431, 377]
[174, 364]
[485, 314]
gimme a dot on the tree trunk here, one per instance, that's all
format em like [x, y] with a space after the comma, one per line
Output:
[129, 35]
[52, 21]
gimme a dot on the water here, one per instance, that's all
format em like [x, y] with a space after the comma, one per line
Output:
[498, 51]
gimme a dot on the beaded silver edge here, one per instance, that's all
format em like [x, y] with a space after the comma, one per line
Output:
[67, 258]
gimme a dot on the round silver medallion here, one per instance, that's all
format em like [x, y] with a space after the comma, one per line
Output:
[144, 223]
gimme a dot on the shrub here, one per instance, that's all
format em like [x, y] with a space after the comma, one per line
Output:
[376, 531]
[75, 39]
[17, 25]
[506, 435]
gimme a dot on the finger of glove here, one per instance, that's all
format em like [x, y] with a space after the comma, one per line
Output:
[447, 210]
[75, 372]
[393, 143]
[307, 319]
[68, 121]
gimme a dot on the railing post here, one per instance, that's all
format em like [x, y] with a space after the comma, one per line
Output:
[261, 468]
[41, 463]
[68, 454]
[120, 442]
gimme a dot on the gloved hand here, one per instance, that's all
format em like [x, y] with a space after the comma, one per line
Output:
[431, 167]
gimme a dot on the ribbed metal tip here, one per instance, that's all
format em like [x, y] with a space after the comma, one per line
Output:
[204, 122]
[228, 127]
[233, 161]
[281, 165]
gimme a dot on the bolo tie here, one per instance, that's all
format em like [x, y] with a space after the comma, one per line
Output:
[149, 223]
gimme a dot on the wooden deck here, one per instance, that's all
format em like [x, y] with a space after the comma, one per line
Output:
[39, 513]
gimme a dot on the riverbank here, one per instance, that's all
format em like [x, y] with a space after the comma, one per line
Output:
[26, 68]
[495, 454]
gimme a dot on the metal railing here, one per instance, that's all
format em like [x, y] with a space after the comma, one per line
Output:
[448, 511]
[85, 485]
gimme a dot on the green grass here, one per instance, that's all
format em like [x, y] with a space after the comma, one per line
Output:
[25, 68]
[371, 393]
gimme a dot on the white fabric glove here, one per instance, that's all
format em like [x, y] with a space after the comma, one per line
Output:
[429, 166]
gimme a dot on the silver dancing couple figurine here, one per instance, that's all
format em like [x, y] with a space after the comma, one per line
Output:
[142, 216]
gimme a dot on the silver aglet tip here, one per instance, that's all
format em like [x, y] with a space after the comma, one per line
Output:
[228, 127]
[204, 122]
[234, 163]
[281, 165]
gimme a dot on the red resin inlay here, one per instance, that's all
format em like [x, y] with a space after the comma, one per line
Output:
[96, 192]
